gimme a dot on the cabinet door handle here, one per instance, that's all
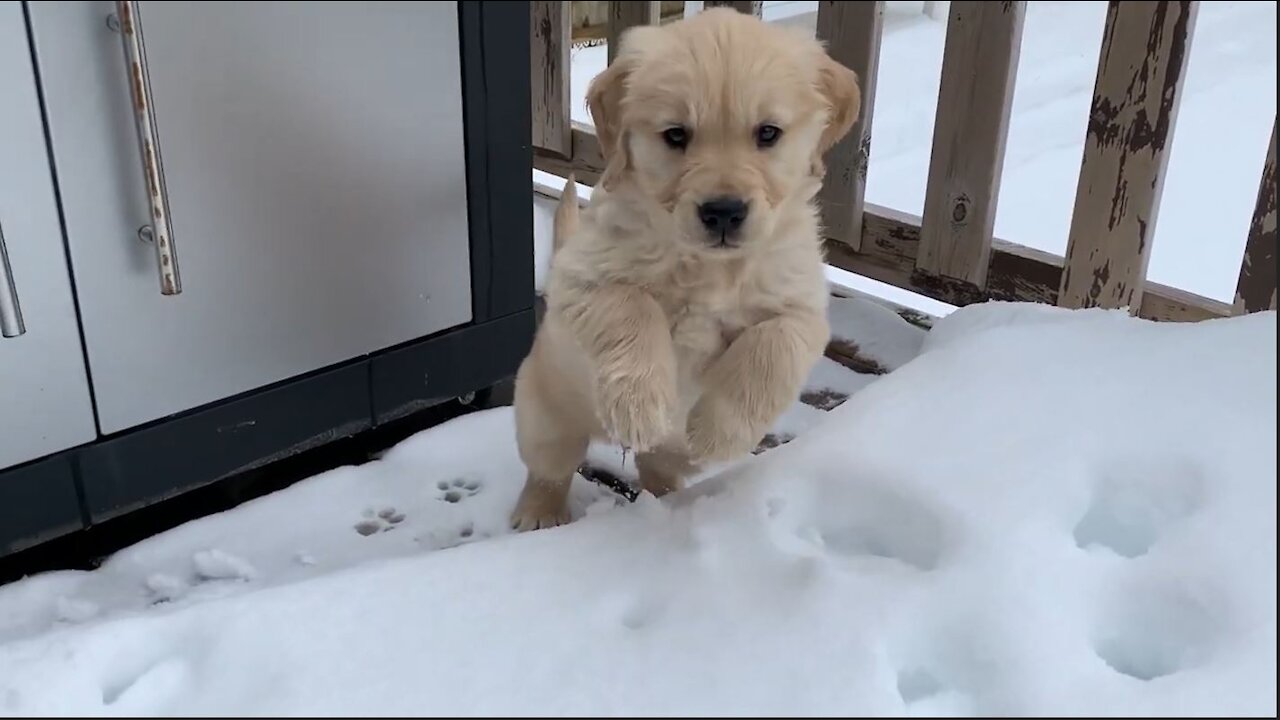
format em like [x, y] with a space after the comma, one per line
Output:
[135, 54]
[10, 312]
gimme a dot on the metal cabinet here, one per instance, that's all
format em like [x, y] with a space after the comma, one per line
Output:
[238, 232]
[44, 393]
[309, 189]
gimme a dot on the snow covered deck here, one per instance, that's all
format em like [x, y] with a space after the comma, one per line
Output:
[999, 525]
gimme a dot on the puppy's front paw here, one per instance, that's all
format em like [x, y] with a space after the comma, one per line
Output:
[719, 431]
[526, 519]
[636, 411]
[539, 508]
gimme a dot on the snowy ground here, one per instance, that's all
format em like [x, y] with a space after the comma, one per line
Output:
[1221, 134]
[1040, 512]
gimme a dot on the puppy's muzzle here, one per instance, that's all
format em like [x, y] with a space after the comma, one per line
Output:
[723, 218]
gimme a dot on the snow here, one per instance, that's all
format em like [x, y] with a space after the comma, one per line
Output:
[875, 330]
[1221, 132]
[1036, 512]
[217, 565]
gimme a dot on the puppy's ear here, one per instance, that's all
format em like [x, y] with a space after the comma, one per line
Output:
[839, 86]
[604, 100]
[605, 96]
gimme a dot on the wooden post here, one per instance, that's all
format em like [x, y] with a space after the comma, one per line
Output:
[979, 67]
[549, 75]
[852, 33]
[1256, 289]
[623, 15]
[1135, 103]
[750, 8]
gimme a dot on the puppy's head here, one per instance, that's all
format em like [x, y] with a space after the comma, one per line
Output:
[722, 121]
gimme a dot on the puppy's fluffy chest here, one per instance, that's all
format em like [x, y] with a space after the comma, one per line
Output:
[701, 333]
[706, 309]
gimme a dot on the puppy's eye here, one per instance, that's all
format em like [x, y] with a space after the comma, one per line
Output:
[767, 135]
[676, 137]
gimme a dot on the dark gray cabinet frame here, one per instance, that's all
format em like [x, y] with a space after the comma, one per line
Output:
[115, 474]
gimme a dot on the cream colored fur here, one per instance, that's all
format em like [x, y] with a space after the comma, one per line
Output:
[681, 351]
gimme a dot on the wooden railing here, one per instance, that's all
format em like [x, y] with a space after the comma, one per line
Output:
[950, 254]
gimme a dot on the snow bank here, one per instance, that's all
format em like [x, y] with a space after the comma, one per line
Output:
[1073, 516]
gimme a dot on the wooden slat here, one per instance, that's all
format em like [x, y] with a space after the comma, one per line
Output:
[891, 242]
[1256, 288]
[586, 161]
[750, 8]
[891, 239]
[979, 67]
[1135, 102]
[1162, 302]
[549, 74]
[591, 18]
[623, 15]
[852, 32]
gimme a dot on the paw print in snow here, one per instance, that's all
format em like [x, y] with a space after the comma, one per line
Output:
[457, 489]
[382, 521]
[1136, 502]
[440, 538]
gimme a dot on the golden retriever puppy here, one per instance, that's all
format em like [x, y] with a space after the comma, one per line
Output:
[687, 305]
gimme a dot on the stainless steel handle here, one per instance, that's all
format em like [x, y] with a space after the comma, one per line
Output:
[135, 54]
[10, 312]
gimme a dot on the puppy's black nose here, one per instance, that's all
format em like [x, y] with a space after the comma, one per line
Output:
[723, 215]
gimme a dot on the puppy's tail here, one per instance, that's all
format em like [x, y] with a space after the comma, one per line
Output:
[566, 218]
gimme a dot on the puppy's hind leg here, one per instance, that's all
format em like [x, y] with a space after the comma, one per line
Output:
[551, 447]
